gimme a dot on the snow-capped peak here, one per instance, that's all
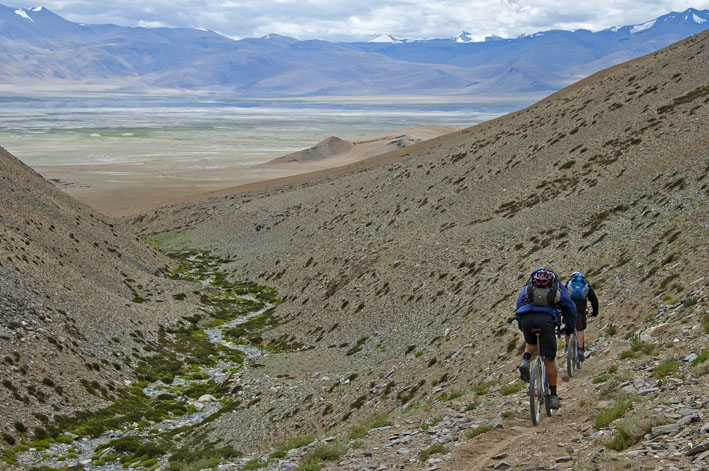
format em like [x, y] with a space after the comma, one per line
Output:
[386, 38]
[464, 37]
[23, 14]
[38, 9]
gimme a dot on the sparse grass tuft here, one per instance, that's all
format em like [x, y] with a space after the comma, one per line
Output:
[433, 449]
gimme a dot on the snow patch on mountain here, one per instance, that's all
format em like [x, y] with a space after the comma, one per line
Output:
[698, 19]
[642, 27]
[23, 14]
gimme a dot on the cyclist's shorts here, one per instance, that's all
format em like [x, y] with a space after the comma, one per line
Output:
[540, 320]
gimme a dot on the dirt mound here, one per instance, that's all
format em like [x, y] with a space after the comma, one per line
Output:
[327, 148]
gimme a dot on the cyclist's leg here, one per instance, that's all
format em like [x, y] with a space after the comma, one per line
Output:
[580, 327]
[551, 372]
[526, 325]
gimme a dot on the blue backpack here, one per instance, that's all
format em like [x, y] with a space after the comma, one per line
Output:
[578, 287]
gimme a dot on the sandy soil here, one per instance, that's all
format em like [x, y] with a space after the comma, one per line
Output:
[123, 189]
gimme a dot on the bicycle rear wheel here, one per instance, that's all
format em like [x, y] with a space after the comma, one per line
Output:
[571, 354]
[536, 391]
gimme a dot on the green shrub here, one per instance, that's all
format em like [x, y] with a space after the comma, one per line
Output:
[665, 368]
[613, 412]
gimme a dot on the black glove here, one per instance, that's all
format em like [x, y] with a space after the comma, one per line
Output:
[567, 331]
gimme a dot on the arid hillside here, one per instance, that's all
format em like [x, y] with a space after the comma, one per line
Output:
[78, 298]
[396, 280]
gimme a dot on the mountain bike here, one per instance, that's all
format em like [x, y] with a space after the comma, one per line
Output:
[539, 386]
[573, 362]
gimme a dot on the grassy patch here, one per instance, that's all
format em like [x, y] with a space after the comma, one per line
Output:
[314, 459]
[631, 429]
[255, 463]
[455, 394]
[482, 388]
[704, 356]
[639, 348]
[512, 388]
[604, 417]
[602, 378]
[376, 421]
[281, 450]
[475, 431]
[432, 450]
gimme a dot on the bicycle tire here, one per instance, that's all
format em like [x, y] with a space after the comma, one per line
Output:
[536, 392]
[571, 356]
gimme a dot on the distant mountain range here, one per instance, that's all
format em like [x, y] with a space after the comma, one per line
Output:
[41, 50]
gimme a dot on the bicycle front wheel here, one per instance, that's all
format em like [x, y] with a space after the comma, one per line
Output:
[536, 392]
[571, 353]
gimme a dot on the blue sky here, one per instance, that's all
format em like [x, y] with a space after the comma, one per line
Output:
[362, 20]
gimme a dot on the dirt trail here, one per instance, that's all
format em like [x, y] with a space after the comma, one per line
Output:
[524, 445]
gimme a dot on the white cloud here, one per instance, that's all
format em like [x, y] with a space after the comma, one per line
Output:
[339, 20]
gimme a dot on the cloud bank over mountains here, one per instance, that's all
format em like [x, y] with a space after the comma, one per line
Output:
[366, 19]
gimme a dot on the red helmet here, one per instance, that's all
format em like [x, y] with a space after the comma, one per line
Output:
[543, 278]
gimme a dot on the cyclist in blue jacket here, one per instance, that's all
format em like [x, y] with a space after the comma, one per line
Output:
[538, 307]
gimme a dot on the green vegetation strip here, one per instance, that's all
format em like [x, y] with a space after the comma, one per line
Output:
[180, 352]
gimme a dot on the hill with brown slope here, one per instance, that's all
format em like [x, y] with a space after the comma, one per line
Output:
[78, 299]
[396, 280]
